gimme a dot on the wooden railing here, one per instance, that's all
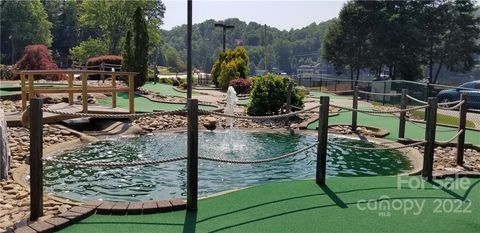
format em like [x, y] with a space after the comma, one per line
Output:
[29, 91]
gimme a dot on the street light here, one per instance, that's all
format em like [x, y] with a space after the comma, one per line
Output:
[225, 27]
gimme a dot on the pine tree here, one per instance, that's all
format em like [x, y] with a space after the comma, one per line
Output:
[140, 55]
[127, 53]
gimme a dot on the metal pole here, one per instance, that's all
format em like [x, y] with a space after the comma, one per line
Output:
[403, 106]
[355, 106]
[189, 49]
[462, 126]
[192, 160]
[322, 141]
[430, 138]
[36, 153]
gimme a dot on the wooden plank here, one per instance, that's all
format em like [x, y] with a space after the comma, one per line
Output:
[84, 93]
[70, 86]
[58, 223]
[86, 211]
[178, 204]
[135, 208]
[164, 206]
[40, 72]
[105, 208]
[42, 227]
[24, 92]
[430, 138]
[25, 229]
[30, 87]
[71, 216]
[150, 207]
[131, 93]
[79, 90]
[120, 208]
[114, 93]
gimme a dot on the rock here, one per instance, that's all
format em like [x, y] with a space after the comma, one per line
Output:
[65, 132]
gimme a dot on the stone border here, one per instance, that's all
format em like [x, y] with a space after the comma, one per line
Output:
[456, 174]
[78, 213]
[305, 123]
[217, 108]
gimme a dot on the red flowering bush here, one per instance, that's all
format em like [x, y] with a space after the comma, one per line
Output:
[241, 85]
[37, 57]
[108, 59]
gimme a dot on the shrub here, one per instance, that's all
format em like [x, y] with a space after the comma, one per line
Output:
[269, 93]
[241, 85]
[235, 61]
[6, 72]
[37, 57]
[108, 59]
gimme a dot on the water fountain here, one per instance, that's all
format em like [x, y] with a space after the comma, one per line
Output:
[4, 150]
[232, 101]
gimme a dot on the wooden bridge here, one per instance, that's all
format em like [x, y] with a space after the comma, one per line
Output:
[29, 90]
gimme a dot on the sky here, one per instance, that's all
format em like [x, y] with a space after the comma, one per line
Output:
[281, 14]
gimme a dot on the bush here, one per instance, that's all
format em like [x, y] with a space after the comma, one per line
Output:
[241, 85]
[268, 95]
[230, 65]
[37, 57]
[6, 72]
[108, 59]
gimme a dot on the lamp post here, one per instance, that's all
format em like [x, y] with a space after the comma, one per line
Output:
[225, 27]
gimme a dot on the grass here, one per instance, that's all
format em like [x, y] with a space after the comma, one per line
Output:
[354, 204]
[444, 119]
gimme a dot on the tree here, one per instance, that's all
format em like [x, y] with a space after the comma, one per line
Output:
[128, 59]
[88, 48]
[229, 65]
[141, 47]
[66, 28]
[22, 23]
[110, 20]
[37, 57]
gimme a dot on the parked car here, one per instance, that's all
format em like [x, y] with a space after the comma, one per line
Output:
[470, 89]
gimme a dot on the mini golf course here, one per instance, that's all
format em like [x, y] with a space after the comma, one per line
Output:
[413, 131]
[165, 89]
[143, 104]
[355, 204]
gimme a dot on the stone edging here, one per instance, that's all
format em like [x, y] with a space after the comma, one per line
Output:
[456, 174]
[77, 213]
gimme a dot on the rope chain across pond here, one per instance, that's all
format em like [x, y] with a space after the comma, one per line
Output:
[119, 164]
[115, 116]
[259, 160]
[376, 148]
[379, 112]
[273, 117]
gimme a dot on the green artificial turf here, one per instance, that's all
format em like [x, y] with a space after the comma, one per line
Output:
[317, 94]
[143, 104]
[354, 204]
[165, 89]
[412, 131]
[444, 119]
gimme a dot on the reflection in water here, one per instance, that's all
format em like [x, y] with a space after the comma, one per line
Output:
[169, 180]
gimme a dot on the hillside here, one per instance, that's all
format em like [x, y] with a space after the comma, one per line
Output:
[283, 46]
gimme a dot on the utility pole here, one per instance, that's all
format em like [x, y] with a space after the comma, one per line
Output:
[225, 27]
[189, 49]
[266, 48]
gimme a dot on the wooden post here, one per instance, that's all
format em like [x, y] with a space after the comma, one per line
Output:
[461, 126]
[131, 93]
[354, 106]
[192, 159]
[24, 92]
[288, 107]
[31, 92]
[403, 106]
[36, 153]
[114, 93]
[322, 141]
[70, 85]
[335, 88]
[430, 138]
[84, 92]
